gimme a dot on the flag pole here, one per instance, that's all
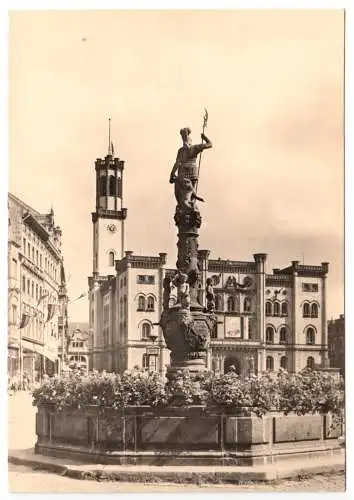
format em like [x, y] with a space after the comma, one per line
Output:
[205, 121]
[109, 135]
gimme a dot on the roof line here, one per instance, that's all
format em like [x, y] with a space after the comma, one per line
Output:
[25, 205]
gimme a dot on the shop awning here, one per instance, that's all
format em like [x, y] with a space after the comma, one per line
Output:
[31, 347]
[50, 353]
[13, 345]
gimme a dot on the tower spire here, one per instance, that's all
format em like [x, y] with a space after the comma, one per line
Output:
[110, 143]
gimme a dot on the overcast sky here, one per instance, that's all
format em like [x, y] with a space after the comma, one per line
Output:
[272, 82]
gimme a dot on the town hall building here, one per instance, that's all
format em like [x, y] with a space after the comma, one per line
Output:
[266, 320]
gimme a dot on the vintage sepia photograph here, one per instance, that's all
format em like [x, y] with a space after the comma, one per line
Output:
[175, 299]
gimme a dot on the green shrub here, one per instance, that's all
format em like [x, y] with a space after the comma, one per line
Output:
[301, 393]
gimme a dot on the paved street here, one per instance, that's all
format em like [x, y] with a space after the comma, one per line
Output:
[24, 479]
[21, 421]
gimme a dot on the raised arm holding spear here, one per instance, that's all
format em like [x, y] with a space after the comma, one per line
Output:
[186, 162]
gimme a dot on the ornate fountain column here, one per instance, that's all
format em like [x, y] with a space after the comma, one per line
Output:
[188, 324]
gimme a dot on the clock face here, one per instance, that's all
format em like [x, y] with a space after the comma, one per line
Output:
[112, 228]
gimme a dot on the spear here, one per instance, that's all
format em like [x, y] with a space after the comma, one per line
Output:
[205, 122]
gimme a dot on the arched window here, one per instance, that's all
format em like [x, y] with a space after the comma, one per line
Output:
[310, 363]
[310, 336]
[145, 331]
[283, 335]
[284, 309]
[268, 308]
[141, 303]
[276, 309]
[112, 186]
[284, 362]
[119, 187]
[36, 292]
[270, 335]
[214, 332]
[314, 310]
[231, 303]
[269, 363]
[111, 259]
[32, 294]
[103, 185]
[306, 310]
[247, 305]
[150, 304]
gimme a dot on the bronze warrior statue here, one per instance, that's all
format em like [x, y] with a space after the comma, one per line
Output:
[186, 166]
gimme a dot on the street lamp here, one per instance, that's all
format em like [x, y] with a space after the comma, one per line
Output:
[153, 336]
[251, 365]
[152, 351]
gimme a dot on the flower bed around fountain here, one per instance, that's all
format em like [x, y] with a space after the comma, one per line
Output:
[138, 418]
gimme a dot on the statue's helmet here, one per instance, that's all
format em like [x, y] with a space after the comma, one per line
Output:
[185, 133]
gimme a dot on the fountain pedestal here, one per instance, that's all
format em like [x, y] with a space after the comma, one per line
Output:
[187, 335]
[187, 325]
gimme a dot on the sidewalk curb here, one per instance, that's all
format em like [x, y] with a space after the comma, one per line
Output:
[178, 475]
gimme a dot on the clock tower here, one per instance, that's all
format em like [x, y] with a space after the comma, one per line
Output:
[109, 216]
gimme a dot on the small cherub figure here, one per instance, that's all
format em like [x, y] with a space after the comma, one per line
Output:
[183, 295]
[210, 297]
[166, 292]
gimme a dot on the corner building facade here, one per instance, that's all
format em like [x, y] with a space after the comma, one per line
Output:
[37, 298]
[265, 321]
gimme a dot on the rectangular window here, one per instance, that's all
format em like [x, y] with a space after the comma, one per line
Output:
[152, 363]
[24, 246]
[14, 268]
[24, 284]
[14, 314]
[310, 287]
[40, 261]
[145, 361]
[37, 257]
[28, 250]
[143, 279]
[28, 287]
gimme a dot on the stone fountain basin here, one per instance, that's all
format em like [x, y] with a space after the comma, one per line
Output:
[192, 435]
